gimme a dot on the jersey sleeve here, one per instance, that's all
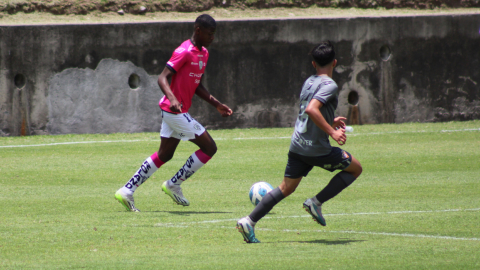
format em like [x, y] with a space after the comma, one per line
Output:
[178, 59]
[326, 91]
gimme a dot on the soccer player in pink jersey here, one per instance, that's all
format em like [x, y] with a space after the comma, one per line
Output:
[185, 69]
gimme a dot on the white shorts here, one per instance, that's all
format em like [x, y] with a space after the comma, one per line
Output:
[180, 126]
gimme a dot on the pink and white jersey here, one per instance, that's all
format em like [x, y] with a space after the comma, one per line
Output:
[189, 64]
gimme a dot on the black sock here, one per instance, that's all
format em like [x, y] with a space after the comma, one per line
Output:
[338, 183]
[267, 203]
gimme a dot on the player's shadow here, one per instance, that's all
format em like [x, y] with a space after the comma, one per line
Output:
[325, 242]
[187, 213]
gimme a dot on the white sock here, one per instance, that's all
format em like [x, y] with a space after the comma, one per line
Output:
[149, 166]
[315, 201]
[251, 221]
[193, 164]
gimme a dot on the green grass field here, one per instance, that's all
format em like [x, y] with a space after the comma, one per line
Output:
[416, 205]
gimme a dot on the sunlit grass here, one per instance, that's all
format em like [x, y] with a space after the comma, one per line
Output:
[415, 206]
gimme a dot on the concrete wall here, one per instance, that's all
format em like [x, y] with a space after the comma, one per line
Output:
[59, 79]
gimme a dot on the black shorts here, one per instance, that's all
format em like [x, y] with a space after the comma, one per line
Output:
[299, 165]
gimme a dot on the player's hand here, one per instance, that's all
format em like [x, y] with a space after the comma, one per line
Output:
[338, 122]
[339, 136]
[224, 110]
[175, 106]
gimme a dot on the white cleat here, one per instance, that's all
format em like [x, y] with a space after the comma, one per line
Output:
[175, 192]
[315, 211]
[245, 227]
[126, 200]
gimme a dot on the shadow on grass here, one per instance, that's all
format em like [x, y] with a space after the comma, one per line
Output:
[325, 242]
[182, 213]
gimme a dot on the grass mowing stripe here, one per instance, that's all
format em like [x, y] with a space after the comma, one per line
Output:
[185, 224]
[251, 138]
[60, 212]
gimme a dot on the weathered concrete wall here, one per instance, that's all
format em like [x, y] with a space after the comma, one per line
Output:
[103, 100]
[75, 78]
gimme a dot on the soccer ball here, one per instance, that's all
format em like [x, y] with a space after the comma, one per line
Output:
[258, 190]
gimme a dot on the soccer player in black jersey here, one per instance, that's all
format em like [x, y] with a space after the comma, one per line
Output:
[310, 145]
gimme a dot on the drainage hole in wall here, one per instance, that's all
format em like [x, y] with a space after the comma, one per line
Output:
[19, 81]
[134, 81]
[352, 98]
[385, 52]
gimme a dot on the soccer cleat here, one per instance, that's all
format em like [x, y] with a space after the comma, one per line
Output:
[247, 231]
[126, 200]
[315, 211]
[175, 192]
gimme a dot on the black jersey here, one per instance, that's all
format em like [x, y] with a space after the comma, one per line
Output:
[308, 139]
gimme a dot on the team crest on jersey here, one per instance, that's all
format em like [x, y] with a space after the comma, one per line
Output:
[197, 127]
[200, 65]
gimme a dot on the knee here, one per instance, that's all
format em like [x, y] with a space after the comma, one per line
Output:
[164, 157]
[358, 171]
[355, 168]
[287, 190]
[211, 150]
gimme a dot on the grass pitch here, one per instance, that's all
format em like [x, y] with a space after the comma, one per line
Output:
[416, 205]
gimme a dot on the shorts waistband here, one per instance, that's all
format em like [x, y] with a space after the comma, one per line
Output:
[170, 112]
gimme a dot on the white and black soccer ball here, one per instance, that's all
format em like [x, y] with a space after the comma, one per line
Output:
[258, 191]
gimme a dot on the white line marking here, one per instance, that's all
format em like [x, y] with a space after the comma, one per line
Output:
[415, 131]
[69, 143]
[251, 138]
[308, 216]
[262, 138]
[187, 224]
[184, 224]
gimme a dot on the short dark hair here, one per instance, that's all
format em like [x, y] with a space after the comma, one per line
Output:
[205, 21]
[324, 53]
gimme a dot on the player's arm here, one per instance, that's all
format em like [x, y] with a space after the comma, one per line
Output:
[166, 74]
[313, 111]
[203, 93]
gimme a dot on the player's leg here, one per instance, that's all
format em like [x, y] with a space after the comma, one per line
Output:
[208, 148]
[246, 225]
[206, 144]
[295, 170]
[351, 169]
[167, 147]
[188, 128]
[193, 164]
[125, 194]
[355, 168]
[340, 181]
[273, 197]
